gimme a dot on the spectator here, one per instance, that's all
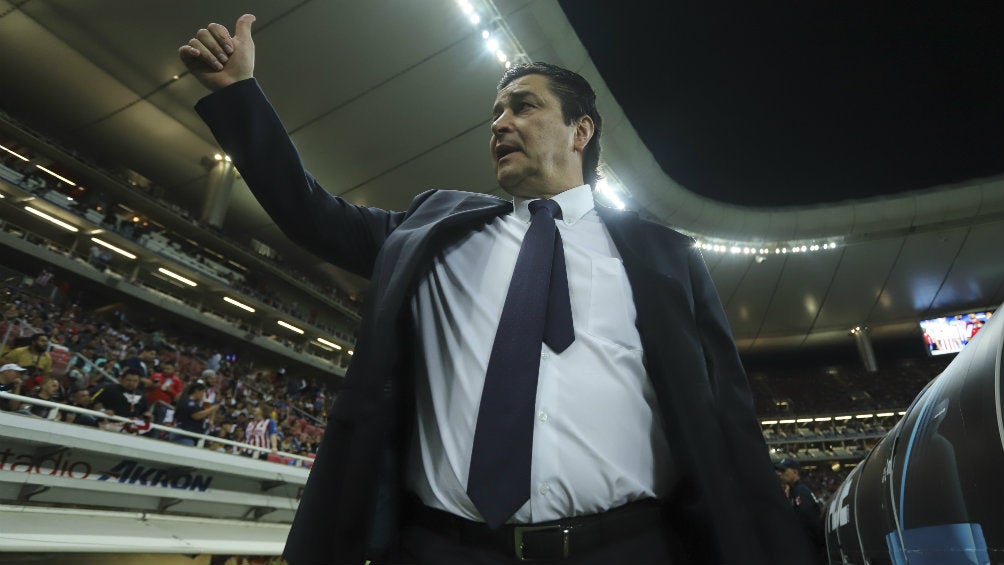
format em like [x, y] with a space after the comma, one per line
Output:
[145, 362]
[190, 415]
[213, 364]
[84, 360]
[124, 399]
[804, 503]
[212, 380]
[34, 357]
[80, 398]
[163, 391]
[242, 420]
[238, 436]
[109, 364]
[49, 391]
[10, 381]
[262, 432]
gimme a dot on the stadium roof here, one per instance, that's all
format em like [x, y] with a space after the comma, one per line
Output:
[386, 99]
[789, 103]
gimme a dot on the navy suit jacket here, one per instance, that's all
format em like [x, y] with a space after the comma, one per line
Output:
[730, 507]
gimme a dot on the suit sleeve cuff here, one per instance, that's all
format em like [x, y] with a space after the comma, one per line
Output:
[217, 102]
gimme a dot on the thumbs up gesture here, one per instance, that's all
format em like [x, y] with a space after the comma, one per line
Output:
[216, 58]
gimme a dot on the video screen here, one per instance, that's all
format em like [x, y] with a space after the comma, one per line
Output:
[950, 334]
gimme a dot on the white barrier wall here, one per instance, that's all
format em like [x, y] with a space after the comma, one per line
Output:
[72, 488]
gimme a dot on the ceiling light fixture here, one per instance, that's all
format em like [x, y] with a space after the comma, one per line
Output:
[289, 326]
[58, 176]
[177, 277]
[14, 153]
[329, 344]
[118, 250]
[241, 305]
[52, 219]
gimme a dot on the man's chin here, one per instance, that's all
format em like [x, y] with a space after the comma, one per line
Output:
[507, 182]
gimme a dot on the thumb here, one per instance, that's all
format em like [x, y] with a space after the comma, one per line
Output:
[243, 28]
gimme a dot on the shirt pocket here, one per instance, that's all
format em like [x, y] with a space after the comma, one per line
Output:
[611, 308]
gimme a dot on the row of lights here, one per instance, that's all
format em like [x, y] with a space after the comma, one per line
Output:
[320, 341]
[832, 418]
[737, 249]
[326, 344]
[492, 42]
[49, 171]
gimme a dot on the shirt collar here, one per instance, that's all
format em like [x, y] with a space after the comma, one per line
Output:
[575, 204]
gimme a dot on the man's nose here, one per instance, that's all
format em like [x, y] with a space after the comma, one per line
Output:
[501, 123]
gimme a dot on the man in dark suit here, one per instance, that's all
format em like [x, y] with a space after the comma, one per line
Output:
[645, 447]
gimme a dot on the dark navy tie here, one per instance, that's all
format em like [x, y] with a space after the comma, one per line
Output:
[537, 310]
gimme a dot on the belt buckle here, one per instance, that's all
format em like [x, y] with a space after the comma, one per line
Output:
[519, 531]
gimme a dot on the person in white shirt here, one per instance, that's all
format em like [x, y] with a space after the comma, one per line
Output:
[640, 414]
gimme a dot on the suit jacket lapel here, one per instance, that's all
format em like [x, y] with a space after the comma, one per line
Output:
[414, 243]
[415, 234]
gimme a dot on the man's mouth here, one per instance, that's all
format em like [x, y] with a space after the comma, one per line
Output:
[502, 151]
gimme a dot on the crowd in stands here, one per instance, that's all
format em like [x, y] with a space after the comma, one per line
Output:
[849, 387]
[93, 205]
[142, 374]
[100, 257]
[107, 348]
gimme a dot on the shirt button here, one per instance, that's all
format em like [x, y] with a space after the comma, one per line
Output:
[544, 488]
[544, 355]
[542, 416]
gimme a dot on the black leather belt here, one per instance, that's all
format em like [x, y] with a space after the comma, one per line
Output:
[545, 541]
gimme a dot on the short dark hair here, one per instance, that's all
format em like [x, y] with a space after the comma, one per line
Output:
[788, 463]
[577, 100]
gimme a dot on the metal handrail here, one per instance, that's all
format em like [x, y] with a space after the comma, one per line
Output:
[201, 438]
[94, 366]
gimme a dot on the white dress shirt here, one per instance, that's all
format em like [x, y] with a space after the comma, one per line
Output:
[598, 440]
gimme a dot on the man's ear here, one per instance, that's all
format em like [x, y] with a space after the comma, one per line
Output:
[584, 129]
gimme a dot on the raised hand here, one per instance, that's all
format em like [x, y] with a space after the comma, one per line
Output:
[216, 58]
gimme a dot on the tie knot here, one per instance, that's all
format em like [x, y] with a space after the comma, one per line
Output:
[552, 207]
